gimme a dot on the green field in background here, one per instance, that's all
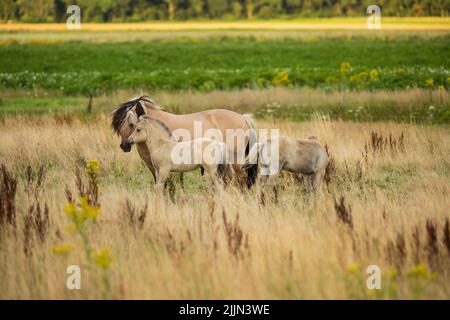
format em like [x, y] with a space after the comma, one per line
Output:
[227, 63]
[55, 72]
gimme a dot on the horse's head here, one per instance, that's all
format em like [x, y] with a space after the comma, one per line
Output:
[139, 134]
[127, 129]
[124, 120]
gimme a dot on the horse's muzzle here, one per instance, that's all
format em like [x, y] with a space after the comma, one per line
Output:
[126, 147]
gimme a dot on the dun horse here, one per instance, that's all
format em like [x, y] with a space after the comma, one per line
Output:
[159, 150]
[126, 115]
[304, 156]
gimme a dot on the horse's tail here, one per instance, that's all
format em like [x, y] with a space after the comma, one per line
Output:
[248, 117]
[224, 169]
[251, 168]
[252, 156]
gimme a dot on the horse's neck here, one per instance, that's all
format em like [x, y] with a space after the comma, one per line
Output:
[162, 115]
[158, 113]
[144, 152]
[157, 138]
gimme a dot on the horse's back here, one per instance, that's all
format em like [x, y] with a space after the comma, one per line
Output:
[314, 152]
[302, 155]
[217, 118]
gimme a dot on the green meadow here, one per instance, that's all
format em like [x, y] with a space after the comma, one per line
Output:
[48, 75]
[227, 64]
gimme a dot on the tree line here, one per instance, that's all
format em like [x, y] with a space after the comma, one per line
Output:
[144, 10]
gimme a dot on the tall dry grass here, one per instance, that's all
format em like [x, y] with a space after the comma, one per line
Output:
[386, 204]
[243, 100]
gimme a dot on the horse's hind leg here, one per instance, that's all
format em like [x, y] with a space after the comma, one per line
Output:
[272, 183]
[265, 180]
[318, 178]
[313, 181]
[307, 180]
[260, 183]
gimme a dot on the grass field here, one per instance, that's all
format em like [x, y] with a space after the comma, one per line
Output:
[397, 197]
[408, 72]
[412, 105]
[379, 101]
[228, 63]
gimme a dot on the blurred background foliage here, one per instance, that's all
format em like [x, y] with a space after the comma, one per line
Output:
[143, 10]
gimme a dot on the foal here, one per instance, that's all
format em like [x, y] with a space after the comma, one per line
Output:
[159, 150]
[304, 156]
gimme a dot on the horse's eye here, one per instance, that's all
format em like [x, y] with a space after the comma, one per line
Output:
[131, 125]
[138, 130]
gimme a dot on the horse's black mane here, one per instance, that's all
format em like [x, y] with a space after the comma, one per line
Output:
[119, 114]
[161, 123]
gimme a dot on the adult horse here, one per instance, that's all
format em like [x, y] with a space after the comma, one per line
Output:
[126, 115]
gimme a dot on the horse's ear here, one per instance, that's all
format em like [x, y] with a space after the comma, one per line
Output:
[140, 110]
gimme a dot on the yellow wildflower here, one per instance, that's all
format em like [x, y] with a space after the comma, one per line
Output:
[360, 77]
[92, 167]
[70, 210]
[374, 74]
[62, 249]
[79, 217]
[281, 79]
[88, 210]
[92, 212]
[74, 213]
[419, 271]
[102, 258]
[345, 68]
[354, 267]
[429, 82]
[80, 213]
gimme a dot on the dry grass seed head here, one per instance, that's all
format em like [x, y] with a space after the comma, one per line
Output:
[343, 212]
[8, 189]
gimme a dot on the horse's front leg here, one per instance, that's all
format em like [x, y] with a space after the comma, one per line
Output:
[152, 170]
[268, 176]
[261, 182]
[161, 175]
[211, 173]
[240, 175]
[182, 180]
